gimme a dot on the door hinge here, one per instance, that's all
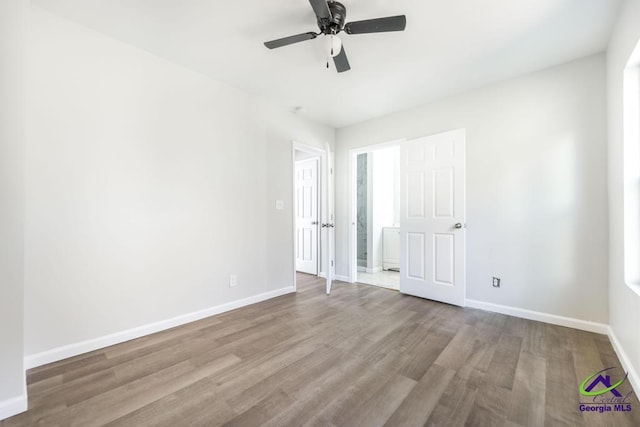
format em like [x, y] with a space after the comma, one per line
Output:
[331, 263]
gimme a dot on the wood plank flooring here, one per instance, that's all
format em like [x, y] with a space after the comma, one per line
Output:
[362, 356]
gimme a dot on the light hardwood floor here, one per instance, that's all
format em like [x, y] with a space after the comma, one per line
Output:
[362, 356]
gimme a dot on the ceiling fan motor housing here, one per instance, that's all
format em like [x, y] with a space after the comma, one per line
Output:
[338, 17]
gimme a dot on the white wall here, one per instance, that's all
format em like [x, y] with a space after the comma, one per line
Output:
[536, 186]
[13, 27]
[624, 304]
[147, 186]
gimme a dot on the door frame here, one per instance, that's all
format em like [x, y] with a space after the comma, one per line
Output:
[320, 154]
[353, 200]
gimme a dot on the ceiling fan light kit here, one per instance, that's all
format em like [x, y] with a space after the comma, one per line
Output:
[331, 17]
[334, 45]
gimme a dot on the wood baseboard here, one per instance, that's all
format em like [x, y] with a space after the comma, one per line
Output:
[634, 378]
[584, 325]
[13, 406]
[66, 351]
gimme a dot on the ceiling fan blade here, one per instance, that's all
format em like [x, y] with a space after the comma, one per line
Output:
[380, 25]
[321, 9]
[341, 61]
[290, 40]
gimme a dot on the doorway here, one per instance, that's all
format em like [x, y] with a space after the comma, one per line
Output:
[313, 223]
[378, 217]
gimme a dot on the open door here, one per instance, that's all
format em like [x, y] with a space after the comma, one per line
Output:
[432, 217]
[328, 226]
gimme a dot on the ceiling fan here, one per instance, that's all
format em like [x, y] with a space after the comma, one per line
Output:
[331, 21]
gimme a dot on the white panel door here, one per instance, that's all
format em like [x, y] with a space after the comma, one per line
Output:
[432, 216]
[307, 216]
[328, 225]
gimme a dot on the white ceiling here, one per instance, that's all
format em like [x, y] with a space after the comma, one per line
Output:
[448, 46]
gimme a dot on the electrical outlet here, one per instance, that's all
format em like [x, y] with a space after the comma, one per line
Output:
[233, 280]
[496, 282]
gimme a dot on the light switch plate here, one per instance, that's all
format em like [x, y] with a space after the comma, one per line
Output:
[279, 205]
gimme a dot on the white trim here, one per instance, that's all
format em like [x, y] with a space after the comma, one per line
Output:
[16, 405]
[13, 406]
[633, 376]
[584, 325]
[75, 349]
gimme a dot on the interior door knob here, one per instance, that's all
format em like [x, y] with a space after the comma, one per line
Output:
[458, 225]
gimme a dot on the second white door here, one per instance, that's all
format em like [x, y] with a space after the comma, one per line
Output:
[432, 215]
[307, 216]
